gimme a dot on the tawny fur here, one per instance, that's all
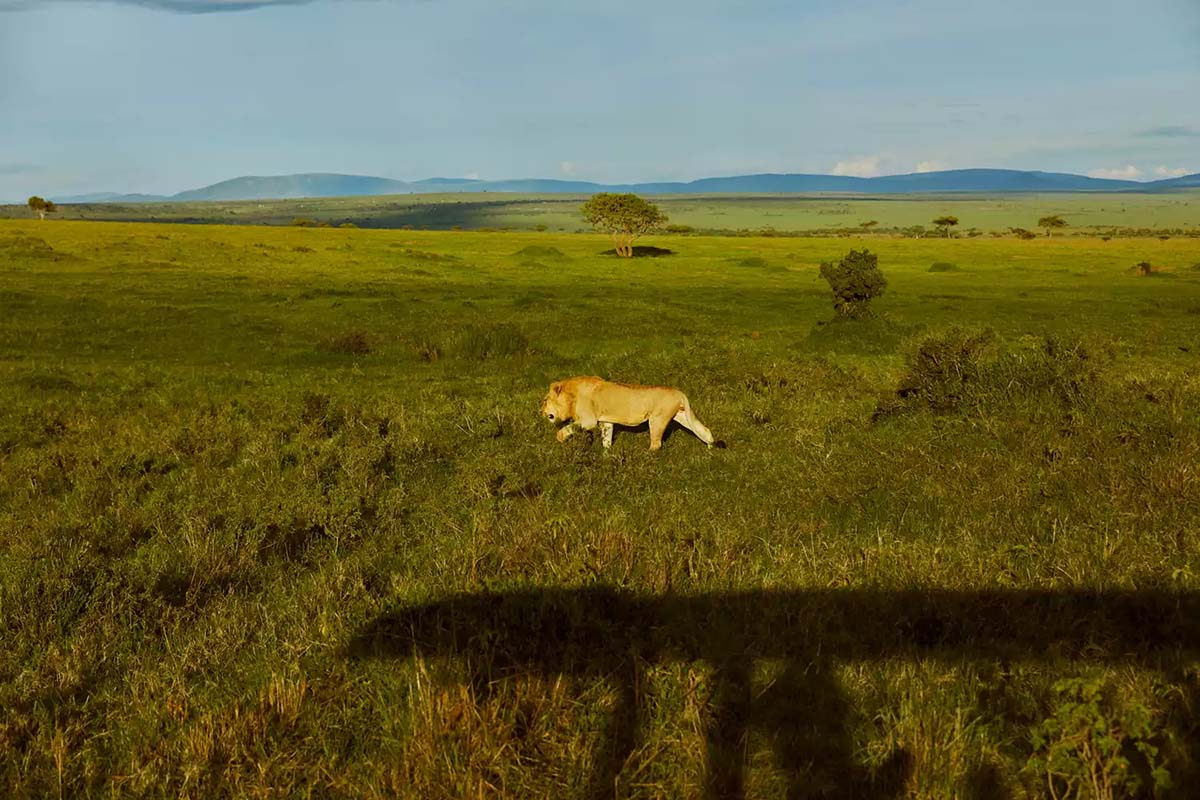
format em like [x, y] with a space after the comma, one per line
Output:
[589, 402]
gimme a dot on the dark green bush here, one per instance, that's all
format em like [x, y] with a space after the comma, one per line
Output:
[855, 281]
[943, 266]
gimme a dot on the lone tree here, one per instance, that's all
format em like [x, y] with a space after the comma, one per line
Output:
[866, 226]
[855, 281]
[624, 216]
[944, 224]
[41, 207]
[1052, 222]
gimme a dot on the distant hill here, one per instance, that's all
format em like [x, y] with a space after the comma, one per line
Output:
[282, 187]
[113, 197]
[1184, 182]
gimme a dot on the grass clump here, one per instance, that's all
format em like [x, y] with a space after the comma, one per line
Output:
[482, 342]
[944, 266]
[855, 280]
[536, 251]
[352, 343]
[964, 369]
[25, 247]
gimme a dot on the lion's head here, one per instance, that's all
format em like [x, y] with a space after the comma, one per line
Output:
[559, 405]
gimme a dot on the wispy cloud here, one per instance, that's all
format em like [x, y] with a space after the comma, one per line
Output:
[176, 6]
[1126, 173]
[1171, 172]
[1171, 132]
[932, 166]
[863, 167]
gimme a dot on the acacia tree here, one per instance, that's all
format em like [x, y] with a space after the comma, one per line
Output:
[1051, 222]
[624, 216]
[41, 207]
[866, 226]
[944, 224]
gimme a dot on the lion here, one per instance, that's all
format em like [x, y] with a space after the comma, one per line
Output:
[586, 402]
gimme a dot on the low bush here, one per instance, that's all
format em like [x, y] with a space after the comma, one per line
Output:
[962, 370]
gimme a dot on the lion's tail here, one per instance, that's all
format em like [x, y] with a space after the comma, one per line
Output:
[687, 419]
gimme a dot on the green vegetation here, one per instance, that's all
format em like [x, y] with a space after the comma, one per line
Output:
[1051, 223]
[228, 451]
[945, 223]
[1117, 215]
[41, 206]
[624, 216]
[855, 281]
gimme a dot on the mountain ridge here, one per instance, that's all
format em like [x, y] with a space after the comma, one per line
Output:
[324, 184]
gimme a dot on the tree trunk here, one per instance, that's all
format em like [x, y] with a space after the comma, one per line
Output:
[41, 214]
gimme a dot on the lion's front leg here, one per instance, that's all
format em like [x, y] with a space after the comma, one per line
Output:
[566, 431]
[606, 432]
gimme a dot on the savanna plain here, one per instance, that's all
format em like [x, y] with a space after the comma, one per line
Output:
[231, 457]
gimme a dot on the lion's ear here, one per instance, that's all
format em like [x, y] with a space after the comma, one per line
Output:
[557, 387]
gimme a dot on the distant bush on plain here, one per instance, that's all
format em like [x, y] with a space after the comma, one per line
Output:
[944, 266]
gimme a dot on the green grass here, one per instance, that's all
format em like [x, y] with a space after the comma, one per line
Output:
[1087, 214]
[226, 451]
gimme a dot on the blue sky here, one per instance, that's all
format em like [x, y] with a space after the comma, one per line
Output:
[166, 95]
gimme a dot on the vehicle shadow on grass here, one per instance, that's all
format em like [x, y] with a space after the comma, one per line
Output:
[605, 633]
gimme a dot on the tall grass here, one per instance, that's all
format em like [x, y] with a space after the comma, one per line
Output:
[203, 501]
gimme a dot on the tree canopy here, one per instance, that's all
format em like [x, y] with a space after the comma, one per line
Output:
[944, 224]
[624, 216]
[1051, 222]
[41, 206]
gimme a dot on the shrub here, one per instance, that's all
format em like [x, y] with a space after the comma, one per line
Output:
[303, 222]
[962, 369]
[943, 266]
[1088, 748]
[1021, 233]
[855, 281]
[942, 369]
[1144, 268]
[347, 225]
[679, 229]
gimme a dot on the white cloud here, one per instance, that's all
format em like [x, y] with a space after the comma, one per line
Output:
[1171, 172]
[932, 166]
[567, 168]
[864, 167]
[1126, 173]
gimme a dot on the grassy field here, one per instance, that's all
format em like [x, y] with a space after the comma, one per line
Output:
[278, 517]
[1087, 213]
